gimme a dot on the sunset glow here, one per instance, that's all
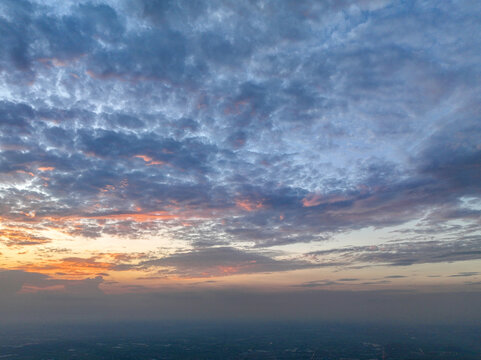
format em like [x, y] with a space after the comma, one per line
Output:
[185, 147]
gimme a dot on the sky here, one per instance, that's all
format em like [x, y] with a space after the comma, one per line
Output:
[243, 158]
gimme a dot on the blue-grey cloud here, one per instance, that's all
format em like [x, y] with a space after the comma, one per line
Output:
[17, 281]
[257, 123]
[221, 261]
[405, 253]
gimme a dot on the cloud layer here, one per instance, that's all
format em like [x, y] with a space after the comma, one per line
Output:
[236, 127]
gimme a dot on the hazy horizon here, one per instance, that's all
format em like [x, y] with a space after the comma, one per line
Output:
[239, 161]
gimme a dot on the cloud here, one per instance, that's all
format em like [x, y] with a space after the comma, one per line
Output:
[348, 279]
[243, 125]
[222, 261]
[318, 284]
[19, 282]
[465, 274]
[311, 200]
[404, 253]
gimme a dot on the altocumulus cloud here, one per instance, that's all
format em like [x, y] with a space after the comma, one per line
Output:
[240, 125]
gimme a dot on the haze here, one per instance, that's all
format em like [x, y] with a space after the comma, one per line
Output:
[240, 160]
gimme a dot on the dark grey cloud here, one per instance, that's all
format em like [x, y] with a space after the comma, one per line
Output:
[465, 274]
[378, 282]
[221, 261]
[404, 253]
[318, 284]
[348, 279]
[16, 281]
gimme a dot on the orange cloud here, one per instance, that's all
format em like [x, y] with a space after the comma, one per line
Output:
[149, 160]
[46, 168]
[73, 267]
[64, 223]
[249, 205]
[311, 200]
[108, 188]
[150, 216]
[137, 217]
[21, 238]
[223, 270]
[228, 270]
[144, 157]
[30, 214]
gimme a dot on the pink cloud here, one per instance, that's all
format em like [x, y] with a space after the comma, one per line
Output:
[311, 200]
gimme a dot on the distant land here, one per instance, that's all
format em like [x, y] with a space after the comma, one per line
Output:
[240, 340]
